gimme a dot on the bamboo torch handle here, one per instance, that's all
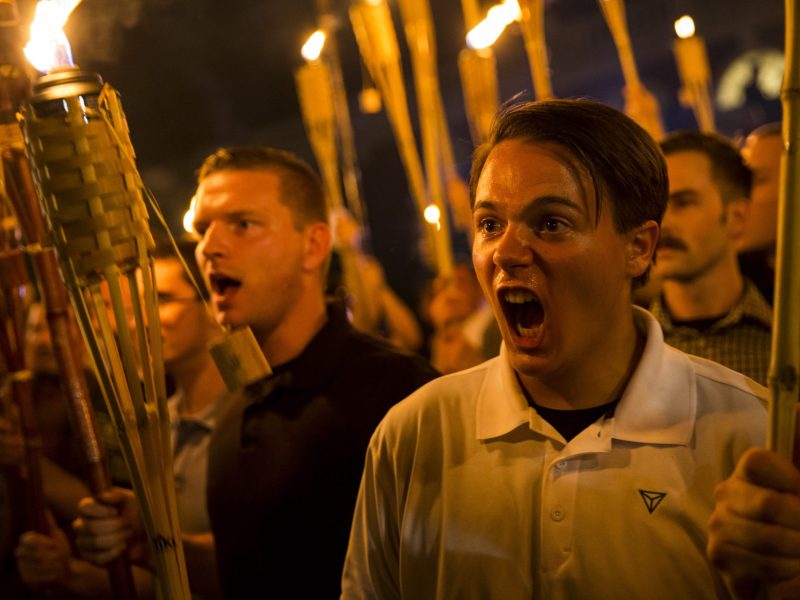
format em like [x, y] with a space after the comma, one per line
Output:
[784, 373]
[377, 43]
[66, 344]
[533, 32]
[784, 369]
[614, 12]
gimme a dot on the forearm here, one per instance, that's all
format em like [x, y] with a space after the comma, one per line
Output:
[89, 581]
[62, 490]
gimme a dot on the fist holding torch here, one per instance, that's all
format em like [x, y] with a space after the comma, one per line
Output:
[754, 531]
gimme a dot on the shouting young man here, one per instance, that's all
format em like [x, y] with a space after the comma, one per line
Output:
[580, 462]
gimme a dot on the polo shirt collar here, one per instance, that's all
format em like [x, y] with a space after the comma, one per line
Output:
[501, 404]
[658, 406]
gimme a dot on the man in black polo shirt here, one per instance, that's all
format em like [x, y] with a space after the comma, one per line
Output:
[286, 459]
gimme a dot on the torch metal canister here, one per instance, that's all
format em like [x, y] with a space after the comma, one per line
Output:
[77, 137]
[92, 196]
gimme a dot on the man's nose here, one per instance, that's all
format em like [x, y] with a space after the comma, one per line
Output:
[514, 248]
[213, 242]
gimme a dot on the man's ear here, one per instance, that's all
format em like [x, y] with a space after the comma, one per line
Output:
[737, 213]
[642, 242]
[317, 245]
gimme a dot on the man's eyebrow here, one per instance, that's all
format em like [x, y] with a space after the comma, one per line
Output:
[484, 204]
[239, 214]
[538, 204]
[546, 201]
[686, 193]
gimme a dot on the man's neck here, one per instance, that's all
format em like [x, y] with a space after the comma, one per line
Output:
[290, 338]
[712, 294]
[200, 382]
[596, 379]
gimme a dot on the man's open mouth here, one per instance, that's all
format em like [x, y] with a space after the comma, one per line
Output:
[220, 284]
[523, 311]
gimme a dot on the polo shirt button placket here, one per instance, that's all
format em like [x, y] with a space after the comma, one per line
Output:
[557, 514]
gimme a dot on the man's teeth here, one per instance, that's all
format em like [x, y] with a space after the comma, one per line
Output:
[519, 296]
[525, 331]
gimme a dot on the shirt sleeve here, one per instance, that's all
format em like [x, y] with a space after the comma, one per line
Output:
[371, 568]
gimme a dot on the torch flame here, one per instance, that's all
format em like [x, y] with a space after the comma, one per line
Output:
[485, 33]
[684, 27]
[313, 46]
[433, 215]
[48, 47]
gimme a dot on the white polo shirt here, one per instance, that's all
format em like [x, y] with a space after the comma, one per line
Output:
[467, 493]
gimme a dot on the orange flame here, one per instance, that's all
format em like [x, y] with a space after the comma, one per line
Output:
[48, 47]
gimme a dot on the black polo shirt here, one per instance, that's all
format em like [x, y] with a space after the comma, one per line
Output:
[285, 462]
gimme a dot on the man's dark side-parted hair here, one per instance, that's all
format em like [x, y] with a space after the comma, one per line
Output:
[186, 247]
[301, 188]
[728, 169]
[624, 164]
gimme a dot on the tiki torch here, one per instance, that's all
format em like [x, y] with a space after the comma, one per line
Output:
[785, 362]
[532, 21]
[478, 70]
[692, 59]
[18, 189]
[323, 103]
[14, 290]
[315, 92]
[91, 195]
[90, 192]
[377, 43]
[15, 286]
[614, 13]
[421, 40]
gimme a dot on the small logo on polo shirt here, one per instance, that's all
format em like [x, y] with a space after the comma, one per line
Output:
[652, 499]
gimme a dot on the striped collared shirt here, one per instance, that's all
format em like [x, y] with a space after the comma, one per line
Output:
[740, 340]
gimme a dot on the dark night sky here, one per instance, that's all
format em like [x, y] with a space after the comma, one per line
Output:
[199, 74]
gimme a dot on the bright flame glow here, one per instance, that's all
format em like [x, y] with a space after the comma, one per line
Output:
[684, 27]
[48, 47]
[432, 214]
[188, 219]
[485, 33]
[313, 46]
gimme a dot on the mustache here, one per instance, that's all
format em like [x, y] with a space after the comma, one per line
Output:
[672, 242]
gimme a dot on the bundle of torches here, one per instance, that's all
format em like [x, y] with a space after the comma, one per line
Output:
[74, 207]
[68, 162]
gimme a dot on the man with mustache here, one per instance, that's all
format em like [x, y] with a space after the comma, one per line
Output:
[581, 462]
[707, 307]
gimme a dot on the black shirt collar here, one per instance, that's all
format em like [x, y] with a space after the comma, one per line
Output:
[315, 365]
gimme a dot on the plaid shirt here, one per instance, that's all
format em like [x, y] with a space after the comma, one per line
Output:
[740, 340]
